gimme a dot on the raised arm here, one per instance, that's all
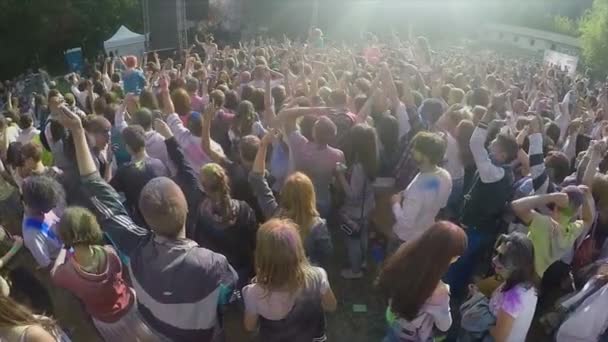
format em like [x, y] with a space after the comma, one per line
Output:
[257, 179]
[289, 116]
[596, 151]
[269, 114]
[389, 86]
[119, 118]
[105, 202]
[206, 136]
[573, 130]
[165, 96]
[524, 207]
[540, 179]
[185, 177]
[9, 100]
[488, 172]
[3, 139]
[366, 110]
[314, 81]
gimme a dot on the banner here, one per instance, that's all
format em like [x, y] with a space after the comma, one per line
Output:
[562, 60]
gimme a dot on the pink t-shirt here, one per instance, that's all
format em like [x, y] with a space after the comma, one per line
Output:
[198, 103]
[317, 162]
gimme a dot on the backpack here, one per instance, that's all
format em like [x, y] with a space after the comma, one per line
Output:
[588, 321]
[476, 318]
[401, 330]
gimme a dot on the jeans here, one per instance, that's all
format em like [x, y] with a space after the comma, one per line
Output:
[460, 273]
[357, 247]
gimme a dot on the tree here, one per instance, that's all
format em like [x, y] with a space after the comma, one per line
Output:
[36, 32]
[565, 25]
[594, 36]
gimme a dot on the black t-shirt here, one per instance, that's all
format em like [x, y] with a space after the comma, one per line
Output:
[240, 188]
[235, 240]
[131, 178]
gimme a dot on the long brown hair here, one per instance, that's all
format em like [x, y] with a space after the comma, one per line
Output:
[13, 314]
[298, 202]
[411, 275]
[364, 149]
[280, 259]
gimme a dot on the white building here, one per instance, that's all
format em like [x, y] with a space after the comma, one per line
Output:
[530, 39]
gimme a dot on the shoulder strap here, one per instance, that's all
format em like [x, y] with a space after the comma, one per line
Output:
[363, 197]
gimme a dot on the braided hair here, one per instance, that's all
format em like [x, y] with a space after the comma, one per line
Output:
[217, 186]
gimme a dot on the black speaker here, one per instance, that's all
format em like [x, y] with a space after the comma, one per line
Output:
[162, 16]
[197, 10]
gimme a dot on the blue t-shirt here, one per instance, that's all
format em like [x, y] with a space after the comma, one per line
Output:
[133, 81]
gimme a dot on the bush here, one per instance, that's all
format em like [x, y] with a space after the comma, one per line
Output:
[594, 36]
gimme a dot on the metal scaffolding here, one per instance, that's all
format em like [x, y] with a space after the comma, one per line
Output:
[146, 16]
[182, 29]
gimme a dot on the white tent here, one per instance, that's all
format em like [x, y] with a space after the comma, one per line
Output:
[125, 42]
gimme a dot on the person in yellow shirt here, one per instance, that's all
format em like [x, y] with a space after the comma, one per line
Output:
[554, 235]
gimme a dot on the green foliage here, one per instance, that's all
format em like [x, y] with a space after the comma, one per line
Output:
[36, 32]
[594, 36]
[565, 25]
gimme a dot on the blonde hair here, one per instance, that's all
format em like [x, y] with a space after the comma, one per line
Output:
[298, 202]
[280, 259]
[13, 314]
[78, 226]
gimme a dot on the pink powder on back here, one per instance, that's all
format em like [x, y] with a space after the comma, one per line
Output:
[511, 301]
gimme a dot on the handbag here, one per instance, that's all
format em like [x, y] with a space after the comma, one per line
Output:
[350, 227]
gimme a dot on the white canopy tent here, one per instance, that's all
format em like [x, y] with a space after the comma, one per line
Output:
[125, 42]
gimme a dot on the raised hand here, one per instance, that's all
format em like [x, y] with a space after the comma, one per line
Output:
[162, 128]
[521, 137]
[560, 199]
[69, 119]
[210, 110]
[269, 137]
[598, 148]
[163, 83]
[535, 125]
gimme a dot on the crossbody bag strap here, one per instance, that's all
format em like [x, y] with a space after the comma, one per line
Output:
[363, 197]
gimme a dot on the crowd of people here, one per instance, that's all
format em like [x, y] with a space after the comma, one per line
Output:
[160, 194]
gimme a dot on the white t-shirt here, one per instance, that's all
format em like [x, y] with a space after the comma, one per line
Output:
[44, 246]
[27, 135]
[422, 200]
[12, 132]
[275, 305]
[519, 303]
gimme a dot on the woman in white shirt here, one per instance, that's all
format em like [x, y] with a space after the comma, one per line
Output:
[288, 298]
[513, 303]
[411, 281]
